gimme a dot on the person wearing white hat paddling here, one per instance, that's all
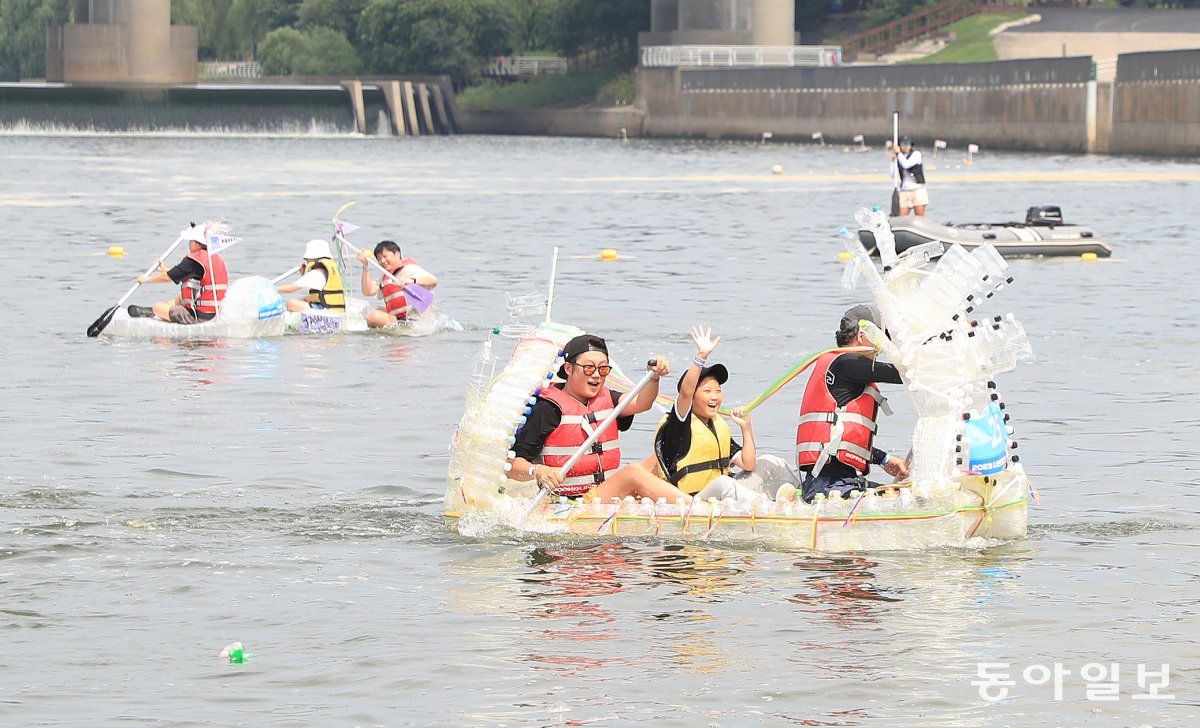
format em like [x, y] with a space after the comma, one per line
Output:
[321, 277]
[202, 279]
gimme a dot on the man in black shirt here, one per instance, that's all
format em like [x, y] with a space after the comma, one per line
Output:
[842, 388]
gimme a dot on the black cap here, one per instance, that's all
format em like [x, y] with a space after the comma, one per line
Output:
[905, 141]
[714, 370]
[861, 312]
[581, 345]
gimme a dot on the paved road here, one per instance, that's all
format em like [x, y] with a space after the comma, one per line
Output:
[1084, 20]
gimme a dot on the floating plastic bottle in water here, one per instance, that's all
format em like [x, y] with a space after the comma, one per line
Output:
[235, 653]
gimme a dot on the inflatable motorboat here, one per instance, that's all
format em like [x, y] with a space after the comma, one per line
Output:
[963, 487]
[1042, 233]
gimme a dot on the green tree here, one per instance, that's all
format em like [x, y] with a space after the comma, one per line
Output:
[312, 52]
[450, 37]
[587, 24]
[536, 29]
[340, 15]
[23, 35]
[233, 28]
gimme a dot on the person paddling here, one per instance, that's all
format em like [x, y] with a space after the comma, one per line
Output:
[202, 278]
[404, 271]
[836, 433]
[319, 273]
[562, 419]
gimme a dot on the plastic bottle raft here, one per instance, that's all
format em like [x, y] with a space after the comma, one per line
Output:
[966, 480]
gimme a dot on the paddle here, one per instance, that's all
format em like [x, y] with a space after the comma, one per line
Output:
[419, 297]
[600, 428]
[105, 318]
[895, 169]
[289, 272]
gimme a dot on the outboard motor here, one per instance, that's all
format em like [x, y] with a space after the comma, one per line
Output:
[1046, 215]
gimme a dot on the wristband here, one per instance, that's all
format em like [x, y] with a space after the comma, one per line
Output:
[699, 362]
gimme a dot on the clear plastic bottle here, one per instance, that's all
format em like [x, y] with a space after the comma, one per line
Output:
[484, 368]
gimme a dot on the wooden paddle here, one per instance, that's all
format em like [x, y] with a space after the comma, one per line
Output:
[600, 428]
[105, 318]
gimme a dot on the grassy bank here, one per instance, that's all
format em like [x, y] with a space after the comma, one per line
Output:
[971, 40]
[608, 84]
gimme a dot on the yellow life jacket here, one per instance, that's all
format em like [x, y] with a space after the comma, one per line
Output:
[333, 296]
[706, 458]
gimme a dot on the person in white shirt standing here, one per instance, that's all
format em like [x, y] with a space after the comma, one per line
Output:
[910, 178]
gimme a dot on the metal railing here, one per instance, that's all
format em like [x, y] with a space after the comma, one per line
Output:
[526, 66]
[921, 24]
[740, 56]
[230, 69]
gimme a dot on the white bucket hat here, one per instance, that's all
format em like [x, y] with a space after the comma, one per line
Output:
[196, 233]
[316, 249]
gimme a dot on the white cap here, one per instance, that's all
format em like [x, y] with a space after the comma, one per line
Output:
[196, 233]
[317, 249]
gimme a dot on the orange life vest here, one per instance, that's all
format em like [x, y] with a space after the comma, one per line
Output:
[204, 296]
[577, 424]
[394, 300]
[826, 430]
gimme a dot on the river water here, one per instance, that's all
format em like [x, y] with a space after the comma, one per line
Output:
[159, 500]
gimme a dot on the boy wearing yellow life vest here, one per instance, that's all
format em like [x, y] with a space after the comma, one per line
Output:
[694, 448]
[565, 415]
[319, 273]
[404, 271]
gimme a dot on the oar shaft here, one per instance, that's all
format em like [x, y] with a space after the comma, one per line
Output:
[149, 270]
[285, 274]
[582, 449]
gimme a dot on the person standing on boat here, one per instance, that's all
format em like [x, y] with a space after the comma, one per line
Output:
[909, 174]
[202, 279]
[834, 440]
[405, 270]
[319, 273]
[694, 448]
[564, 416]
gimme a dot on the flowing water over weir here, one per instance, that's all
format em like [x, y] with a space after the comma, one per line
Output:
[160, 500]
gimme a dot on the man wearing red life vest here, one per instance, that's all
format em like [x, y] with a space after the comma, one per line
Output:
[834, 440]
[404, 271]
[202, 279]
[566, 414]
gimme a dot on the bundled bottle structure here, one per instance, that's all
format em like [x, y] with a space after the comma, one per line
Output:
[927, 296]
[496, 411]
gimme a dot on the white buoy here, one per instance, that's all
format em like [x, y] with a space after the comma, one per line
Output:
[777, 169]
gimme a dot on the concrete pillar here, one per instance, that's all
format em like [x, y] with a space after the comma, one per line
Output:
[354, 90]
[82, 11]
[149, 23]
[410, 108]
[391, 95]
[773, 23]
[664, 16]
[423, 105]
[439, 107]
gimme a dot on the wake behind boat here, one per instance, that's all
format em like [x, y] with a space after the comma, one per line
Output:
[1042, 234]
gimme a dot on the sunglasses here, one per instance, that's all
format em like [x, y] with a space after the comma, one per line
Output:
[590, 369]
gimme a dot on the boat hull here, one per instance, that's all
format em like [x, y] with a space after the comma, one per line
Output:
[1009, 239]
[960, 512]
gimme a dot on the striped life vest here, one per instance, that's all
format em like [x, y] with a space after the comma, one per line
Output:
[707, 456]
[333, 295]
[394, 300]
[577, 424]
[826, 430]
[205, 295]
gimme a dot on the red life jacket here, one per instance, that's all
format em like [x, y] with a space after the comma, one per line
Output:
[826, 430]
[204, 296]
[394, 300]
[577, 424]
